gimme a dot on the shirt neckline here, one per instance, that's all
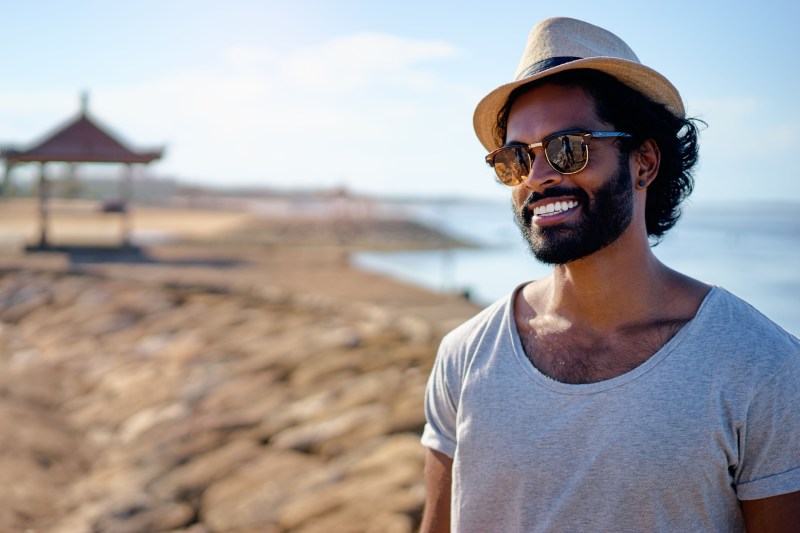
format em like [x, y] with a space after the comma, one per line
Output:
[591, 388]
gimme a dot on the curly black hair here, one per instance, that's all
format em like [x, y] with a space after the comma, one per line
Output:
[626, 109]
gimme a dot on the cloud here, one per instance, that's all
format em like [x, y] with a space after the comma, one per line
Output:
[348, 64]
[261, 112]
[367, 61]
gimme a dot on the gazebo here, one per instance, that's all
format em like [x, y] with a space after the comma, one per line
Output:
[80, 140]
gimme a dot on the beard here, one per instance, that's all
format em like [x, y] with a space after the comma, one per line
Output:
[602, 220]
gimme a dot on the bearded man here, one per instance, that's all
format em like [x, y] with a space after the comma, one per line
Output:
[615, 394]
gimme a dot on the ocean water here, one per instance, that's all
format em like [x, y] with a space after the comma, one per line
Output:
[751, 250]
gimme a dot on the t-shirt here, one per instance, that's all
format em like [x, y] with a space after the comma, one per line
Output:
[672, 445]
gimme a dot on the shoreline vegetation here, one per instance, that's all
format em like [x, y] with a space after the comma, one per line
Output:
[238, 376]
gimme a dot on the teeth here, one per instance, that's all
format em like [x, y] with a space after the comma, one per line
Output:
[555, 207]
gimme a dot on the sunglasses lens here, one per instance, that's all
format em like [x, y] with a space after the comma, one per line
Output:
[567, 153]
[512, 164]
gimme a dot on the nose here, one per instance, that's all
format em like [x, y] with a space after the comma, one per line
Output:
[541, 175]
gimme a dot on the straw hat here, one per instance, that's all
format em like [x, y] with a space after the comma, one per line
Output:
[559, 44]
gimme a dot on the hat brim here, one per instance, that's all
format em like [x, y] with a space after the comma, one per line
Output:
[635, 75]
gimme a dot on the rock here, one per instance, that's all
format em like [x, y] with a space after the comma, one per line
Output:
[227, 405]
[389, 452]
[40, 458]
[137, 518]
[416, 330]
[22, 299]
[148, 418]
[358, 519]
[252, 496]
[354, 424]
[382, 481]
[241, 393]
[189, 480]
[196, 528]
[391, 523]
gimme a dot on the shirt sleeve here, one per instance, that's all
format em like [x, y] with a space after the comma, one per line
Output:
[441, 404]
[770, 440]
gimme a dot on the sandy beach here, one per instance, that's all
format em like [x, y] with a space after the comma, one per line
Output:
[235, 375]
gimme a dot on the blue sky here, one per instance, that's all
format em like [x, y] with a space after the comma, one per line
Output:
[378, 96]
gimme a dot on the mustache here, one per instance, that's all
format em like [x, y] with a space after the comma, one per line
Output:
[554, 192]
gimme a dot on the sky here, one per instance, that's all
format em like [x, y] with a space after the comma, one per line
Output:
[377, 97]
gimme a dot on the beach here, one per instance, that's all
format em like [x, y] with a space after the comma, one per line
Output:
[235, 374]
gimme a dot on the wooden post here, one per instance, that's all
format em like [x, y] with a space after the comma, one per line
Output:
[126, 194]
[71, 185]
[6, 185]
[44, 194]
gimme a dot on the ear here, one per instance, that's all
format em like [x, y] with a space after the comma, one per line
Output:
[645, 162]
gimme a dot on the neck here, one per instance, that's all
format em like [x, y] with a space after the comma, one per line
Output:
[621, 284]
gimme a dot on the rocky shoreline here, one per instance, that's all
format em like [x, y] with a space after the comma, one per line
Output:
[280, 393]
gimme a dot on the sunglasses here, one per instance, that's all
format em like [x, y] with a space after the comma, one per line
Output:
[566, 151]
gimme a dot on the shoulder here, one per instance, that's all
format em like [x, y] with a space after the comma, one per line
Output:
[457, 353]
[492, 320]
[734, 329]
[727, 315]
[486, 330]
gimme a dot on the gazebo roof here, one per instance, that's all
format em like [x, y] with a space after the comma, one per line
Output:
[81, 140]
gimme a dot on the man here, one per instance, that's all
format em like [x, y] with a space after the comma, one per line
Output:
[615, 394]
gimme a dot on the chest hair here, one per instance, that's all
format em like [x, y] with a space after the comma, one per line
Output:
[578, 357]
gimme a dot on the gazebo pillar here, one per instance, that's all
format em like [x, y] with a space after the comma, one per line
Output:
[71, 185]
[126, 195]
[6, 184]
[44, 196]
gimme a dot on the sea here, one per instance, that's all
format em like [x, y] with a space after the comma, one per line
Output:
[752, 249]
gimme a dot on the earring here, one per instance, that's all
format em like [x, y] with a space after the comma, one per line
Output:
[642, 183]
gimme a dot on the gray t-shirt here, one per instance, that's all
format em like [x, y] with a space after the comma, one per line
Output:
[711, 418]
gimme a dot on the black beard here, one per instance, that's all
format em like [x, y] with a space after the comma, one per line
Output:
[602, 221]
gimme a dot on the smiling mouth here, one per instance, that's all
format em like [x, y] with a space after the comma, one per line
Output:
[554, 208]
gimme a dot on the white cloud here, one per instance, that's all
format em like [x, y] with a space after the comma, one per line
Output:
[365, 61]
[263, 111]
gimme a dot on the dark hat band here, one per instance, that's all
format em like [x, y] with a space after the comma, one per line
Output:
[545, 64]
